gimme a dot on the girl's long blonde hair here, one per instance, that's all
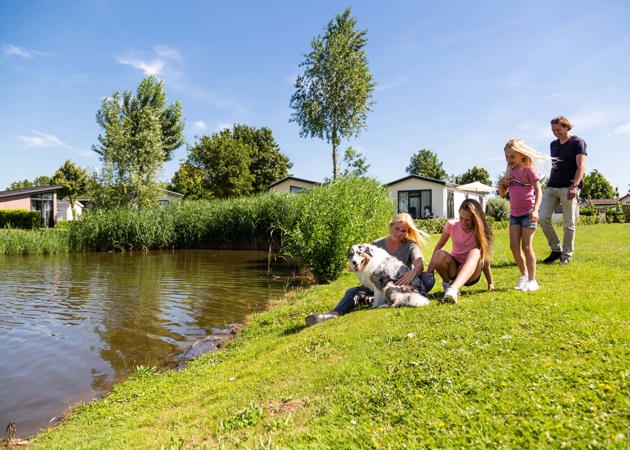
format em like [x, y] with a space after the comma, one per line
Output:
[413, 233]
[519, 146]
[483, 230]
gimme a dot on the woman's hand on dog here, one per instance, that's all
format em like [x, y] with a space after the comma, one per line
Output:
[406, 278]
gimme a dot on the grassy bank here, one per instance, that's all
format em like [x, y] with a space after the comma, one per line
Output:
[501, 369]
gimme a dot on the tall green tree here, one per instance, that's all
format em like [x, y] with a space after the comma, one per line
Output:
[75, 182]
[217, 166]
[596, 186]
[332, 95]
[475, 174]
[426, 163]
[241, 161]
[267, 163]
[42, 180]
[141, 132]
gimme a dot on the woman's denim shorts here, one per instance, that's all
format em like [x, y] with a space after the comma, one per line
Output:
[523, 221]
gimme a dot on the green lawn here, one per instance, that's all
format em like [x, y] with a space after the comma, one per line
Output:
[502, 369]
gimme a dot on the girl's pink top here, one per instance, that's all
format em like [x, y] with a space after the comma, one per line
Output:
[463, 241]
[522, 194]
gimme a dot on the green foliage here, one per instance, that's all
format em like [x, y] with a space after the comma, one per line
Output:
[266, 163]
[431, 226]
[615, 215]
[332, 95]
[25, 184]
[231, 163]
[425, 163]
[75, 182]
[141, 133]
[475, 174]
[123, 228]
[20, 218]
[243, 223]
[45, 241]
[330, 218]
[498, 208]
[355, 164]
[596, 186]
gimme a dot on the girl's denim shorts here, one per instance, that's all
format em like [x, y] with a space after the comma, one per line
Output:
[523, 221]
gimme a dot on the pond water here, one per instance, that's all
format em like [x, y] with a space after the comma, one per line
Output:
[71, 326]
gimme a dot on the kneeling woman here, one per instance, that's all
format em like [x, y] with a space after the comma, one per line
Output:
[471, 236]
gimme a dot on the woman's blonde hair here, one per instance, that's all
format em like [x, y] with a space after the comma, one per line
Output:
[413, 233]
[533, 156]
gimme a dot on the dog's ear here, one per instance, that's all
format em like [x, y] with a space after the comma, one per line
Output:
[350, 251]
[368, 250]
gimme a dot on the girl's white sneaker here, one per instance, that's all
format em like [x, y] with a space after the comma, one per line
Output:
[532, 285]
[522, 283]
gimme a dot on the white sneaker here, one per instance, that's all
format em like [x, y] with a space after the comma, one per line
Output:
[532, 285]
[450, 295]
[522, 283]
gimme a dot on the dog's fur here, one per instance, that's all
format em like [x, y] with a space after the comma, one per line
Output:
[378, 270]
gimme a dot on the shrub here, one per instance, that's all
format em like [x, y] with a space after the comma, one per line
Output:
[20, 218]
[328, 219]
[431, 226]
[614, 215]
[498, 208]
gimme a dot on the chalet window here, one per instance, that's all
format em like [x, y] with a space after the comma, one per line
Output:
[450, 204]
[44, 204]
[415, 202]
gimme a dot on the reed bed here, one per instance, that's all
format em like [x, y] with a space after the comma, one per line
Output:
[25, 242]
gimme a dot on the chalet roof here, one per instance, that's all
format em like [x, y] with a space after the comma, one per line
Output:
[33, 190]
[275, 183]
[419, 177]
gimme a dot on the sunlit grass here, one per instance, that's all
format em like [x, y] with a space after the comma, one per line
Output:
[502, 369]
[28, 242]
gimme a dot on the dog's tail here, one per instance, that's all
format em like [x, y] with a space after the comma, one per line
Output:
[403, 296]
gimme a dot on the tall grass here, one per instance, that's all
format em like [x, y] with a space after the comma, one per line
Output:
[40, 241]
[328, 219]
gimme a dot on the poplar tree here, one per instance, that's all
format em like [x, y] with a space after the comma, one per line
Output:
[332, 96]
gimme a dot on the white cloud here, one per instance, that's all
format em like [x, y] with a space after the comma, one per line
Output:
[149, 68]
[622, 129]
[12, 50]
[42, 140]
[198, 126]
[156, 65]
[167, 52]
[399, 81]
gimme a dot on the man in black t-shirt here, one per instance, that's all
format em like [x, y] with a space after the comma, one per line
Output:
[565, 181]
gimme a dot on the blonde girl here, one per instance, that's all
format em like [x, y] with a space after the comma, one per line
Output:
[522, 183]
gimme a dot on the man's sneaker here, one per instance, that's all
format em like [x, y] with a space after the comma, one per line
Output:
[522, 283]
[450, 296]
[564, 260]
[532, 285]
[314, 319]
[552, 258]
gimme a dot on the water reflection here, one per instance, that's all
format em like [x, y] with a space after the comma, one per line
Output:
[73, 325]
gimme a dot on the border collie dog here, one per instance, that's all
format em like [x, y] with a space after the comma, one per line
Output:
[378, 270]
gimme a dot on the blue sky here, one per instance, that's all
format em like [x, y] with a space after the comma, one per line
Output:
[459, 78]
